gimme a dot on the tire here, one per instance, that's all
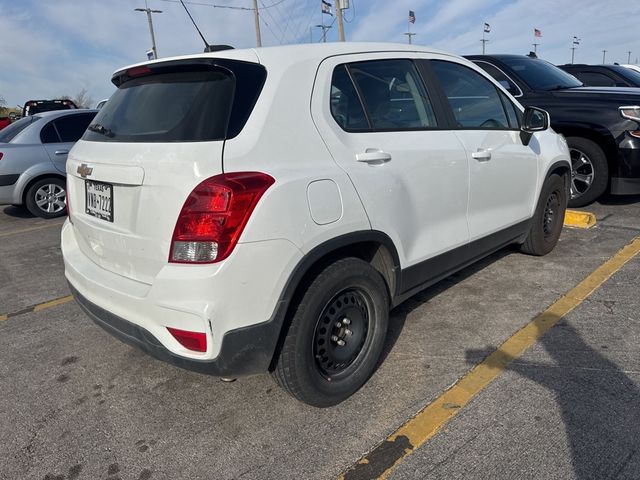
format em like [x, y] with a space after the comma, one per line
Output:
[589, 171]
[47, 198]
[312, 366]
[547, 221]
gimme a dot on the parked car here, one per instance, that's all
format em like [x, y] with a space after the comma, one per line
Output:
[602, 125]
[32, 107]
[246, 211]
[603, 75]
[4, 122]
[33, 152]
[635, 68]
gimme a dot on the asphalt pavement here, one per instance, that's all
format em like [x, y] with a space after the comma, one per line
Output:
[76, 403]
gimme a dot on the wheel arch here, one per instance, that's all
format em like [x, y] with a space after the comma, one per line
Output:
[603, 139]
[37, 178]
[372, 246]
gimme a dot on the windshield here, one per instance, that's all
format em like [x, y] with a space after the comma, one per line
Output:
[167, 107]
[9, 133]
[541, 75]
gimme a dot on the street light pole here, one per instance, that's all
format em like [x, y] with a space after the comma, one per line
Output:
[153, 37]
[629, 57]
[339, 18]
[604, 56]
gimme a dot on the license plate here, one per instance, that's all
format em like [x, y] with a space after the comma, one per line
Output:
[99, 199]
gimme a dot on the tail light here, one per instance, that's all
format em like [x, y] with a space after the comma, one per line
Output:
[214, 216]
[196, 341]
[1, 155]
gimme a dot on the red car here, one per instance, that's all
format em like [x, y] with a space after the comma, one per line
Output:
[4, 122]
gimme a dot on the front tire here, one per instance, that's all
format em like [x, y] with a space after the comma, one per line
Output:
[589, 171]
[547, 221]
[336, 336]
[47, 198]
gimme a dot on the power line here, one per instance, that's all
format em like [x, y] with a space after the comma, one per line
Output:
[230, 7]
[275, 21]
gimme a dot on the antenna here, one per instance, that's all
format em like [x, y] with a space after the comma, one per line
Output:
[207, 47]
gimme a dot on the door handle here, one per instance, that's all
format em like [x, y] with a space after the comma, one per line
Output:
[61, 152]
[373, 156]
[482, 155]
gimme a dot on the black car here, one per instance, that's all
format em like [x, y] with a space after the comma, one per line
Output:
[32, 107]
[603, 75]
[601, 125]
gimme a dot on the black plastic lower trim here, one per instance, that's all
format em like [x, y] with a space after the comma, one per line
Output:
[6, 180]
[625, 186]
[431, 271]
[244, 351]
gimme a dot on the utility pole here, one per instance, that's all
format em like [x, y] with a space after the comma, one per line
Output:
[629, 57]
[339, 18]
[256, 17]
[153, 37]
[324, 31]
[535, 47]
[484, 41]
[604, 56]
[576, 41]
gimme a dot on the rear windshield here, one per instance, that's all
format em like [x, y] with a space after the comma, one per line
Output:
[628, 73]
[541, 75]
[167, 107]
[9, 133]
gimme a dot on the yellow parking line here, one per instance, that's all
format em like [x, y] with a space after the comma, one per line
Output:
[380, 462]
[577, 219]
[31, 229]
[36, 308]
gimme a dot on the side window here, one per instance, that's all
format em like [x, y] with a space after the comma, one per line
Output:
[345, 104]
[506, 83]
[594, 79]
[473, 99]
[513, 113]
[72, 127]
[394, 95]
[48, 134]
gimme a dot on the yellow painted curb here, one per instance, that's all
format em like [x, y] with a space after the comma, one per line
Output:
[577, 219]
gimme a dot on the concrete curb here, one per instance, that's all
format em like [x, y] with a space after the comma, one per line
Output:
[577, 219]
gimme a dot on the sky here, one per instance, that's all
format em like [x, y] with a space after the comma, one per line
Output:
[50, 48]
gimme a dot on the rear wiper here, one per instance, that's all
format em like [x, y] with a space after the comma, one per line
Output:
[96, 127]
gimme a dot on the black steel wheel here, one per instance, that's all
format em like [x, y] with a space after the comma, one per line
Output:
[547, 221]
[336, 334]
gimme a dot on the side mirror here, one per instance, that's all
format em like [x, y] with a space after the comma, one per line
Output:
[534, 120]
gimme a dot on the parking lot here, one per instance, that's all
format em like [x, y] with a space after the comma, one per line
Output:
[77, 403]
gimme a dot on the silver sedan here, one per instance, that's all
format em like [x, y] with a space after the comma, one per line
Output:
[33, 153]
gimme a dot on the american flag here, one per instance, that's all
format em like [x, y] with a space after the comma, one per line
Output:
[537, 33]
[412, 16]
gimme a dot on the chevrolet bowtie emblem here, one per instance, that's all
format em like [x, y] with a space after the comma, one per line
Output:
[84, 170]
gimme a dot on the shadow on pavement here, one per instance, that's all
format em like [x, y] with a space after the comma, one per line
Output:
[17, 212]
[609, 199]
[600, 404]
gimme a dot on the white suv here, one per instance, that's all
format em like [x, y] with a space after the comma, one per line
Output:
[247, 211]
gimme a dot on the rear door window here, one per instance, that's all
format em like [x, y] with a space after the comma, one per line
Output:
[49, 134]
[346, 108]
[71, 127]
[394, 95]
[595, 79]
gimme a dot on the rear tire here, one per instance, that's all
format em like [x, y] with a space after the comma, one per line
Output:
[547, 221]
[589, 171]
[336, 336]
[47, 198]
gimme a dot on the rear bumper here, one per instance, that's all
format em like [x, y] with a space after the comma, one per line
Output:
[625, 180]
[235, 304]
[244, 351]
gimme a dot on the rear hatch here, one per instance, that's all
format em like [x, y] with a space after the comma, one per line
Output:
[159, 136]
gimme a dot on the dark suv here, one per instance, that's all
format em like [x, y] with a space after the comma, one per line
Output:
[602, 125]
[603, 75]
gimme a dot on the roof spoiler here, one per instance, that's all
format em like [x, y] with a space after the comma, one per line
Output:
[217, 48]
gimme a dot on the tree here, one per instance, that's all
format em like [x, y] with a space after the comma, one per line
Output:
[3, 105]
[81, 99]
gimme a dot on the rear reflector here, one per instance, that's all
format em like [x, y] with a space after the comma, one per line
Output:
[1, 155]
[214, 215]
[196, 341]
